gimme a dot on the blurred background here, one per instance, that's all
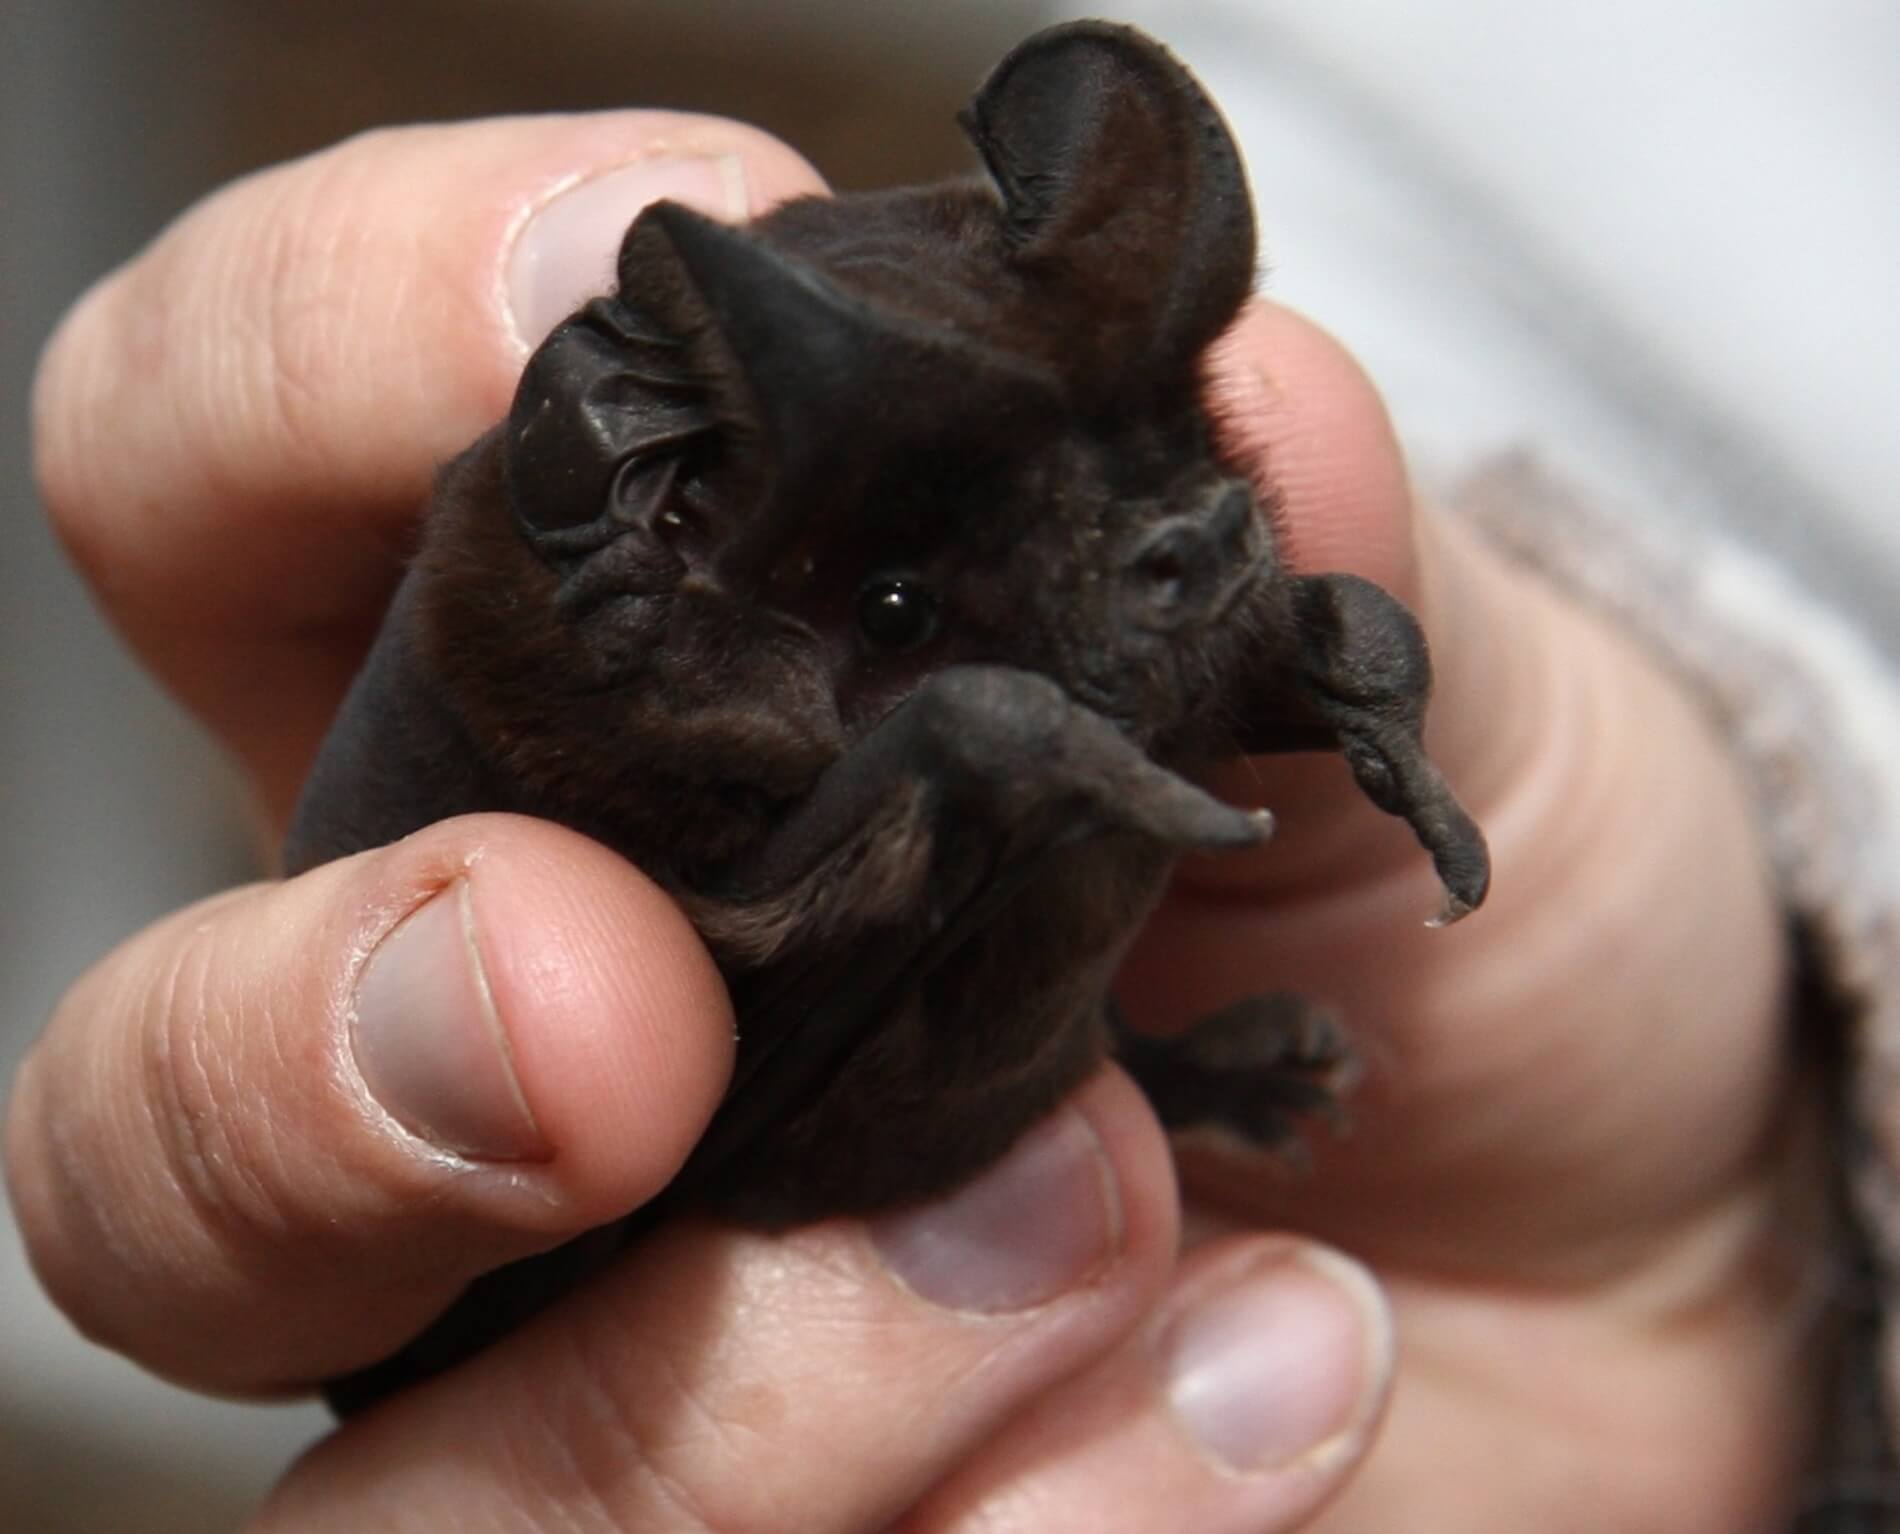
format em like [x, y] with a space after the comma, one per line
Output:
[1656, 244]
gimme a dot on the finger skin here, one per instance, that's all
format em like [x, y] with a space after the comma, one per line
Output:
[1505, 1057]
[1684, 1397]
[235, 431]
[723, 1380]
[1576, 1135]
[205, 1179]
[1109, 1452]
[1291, 400]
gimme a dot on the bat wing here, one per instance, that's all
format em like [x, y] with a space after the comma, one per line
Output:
[978, 778]
[1358, 683]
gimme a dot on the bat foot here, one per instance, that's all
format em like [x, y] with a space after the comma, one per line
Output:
[1260, 1069]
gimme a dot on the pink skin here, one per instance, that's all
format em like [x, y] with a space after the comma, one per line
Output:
[1577, 1162]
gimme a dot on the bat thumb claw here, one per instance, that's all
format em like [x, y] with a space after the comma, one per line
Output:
[1189, 816]
[1453, 910]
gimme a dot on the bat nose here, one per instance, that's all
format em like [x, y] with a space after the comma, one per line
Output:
[1184, 571]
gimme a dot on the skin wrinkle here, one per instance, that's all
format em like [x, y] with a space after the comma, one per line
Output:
[532, 1461]
[1672, 1278]
[267, 1164]
[293, 336]
[182, 1102]
[608, 1436]
[615, 1448]
[685, 1362]
[1687, 1291]
[228, 1163]
[1759, 980]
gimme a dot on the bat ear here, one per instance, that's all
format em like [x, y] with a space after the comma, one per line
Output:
[811, 372]
[605, 391]
[799, 353]
[706, 341]
[1122, 190]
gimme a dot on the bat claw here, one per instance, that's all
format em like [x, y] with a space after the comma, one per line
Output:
[1454, 910]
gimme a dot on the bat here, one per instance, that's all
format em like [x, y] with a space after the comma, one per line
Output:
[872, 576]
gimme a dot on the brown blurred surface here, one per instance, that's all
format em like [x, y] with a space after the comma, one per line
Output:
[78, 1482]
[864, 98]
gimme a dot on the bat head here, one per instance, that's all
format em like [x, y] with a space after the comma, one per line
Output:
[788, 470]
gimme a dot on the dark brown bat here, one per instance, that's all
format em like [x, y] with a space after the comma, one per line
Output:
[872, 577]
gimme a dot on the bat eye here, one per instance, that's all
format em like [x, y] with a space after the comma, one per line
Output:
[896, 614]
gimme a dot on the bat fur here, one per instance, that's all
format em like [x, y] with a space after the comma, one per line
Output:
[872, 576]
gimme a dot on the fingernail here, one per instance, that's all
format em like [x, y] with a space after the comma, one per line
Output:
[565, 253]
[1032, 1227]
[428, 1041]
[1281, 1362]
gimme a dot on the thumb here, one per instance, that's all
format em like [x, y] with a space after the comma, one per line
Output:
[1609, 1023]
[270, 1139]
[1295, 407]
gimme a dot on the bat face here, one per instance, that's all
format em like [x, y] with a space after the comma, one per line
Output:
[787, 472]
[973, 517]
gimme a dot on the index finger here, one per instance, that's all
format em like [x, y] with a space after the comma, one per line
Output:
[234, 432]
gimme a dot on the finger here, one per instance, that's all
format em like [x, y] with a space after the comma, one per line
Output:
[1684, 1401]
[1243, 1403]
[1291, 400]
[1294, 405]
[235, 431]
[821, 1380]
[271, 1138]
[1611, 1024]
[1504, 1057]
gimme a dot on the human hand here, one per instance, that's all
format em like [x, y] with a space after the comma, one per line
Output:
[1584, 1161]
[235, 433]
